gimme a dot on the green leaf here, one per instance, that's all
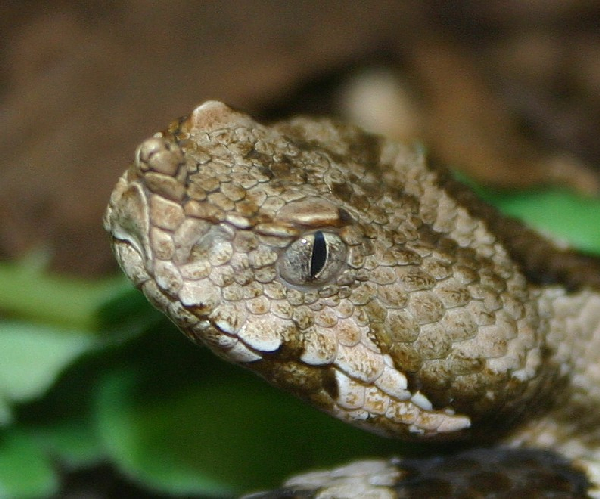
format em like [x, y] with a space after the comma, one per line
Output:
[558, 213]
[28, 292]
[74, 442]
[64, 320]
[25, 470]
[31, 357]
[126, 313]
[200, 426]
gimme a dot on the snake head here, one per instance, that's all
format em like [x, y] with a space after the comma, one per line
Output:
[330, 262]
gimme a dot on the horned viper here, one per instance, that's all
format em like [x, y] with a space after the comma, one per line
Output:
[341, 267]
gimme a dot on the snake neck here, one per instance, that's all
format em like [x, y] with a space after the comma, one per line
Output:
[572, 426]
[569, 300]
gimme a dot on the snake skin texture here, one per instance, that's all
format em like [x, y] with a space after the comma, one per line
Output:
[341, 267]
[497, 473]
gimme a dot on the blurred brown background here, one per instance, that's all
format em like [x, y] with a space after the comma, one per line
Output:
[508, 90]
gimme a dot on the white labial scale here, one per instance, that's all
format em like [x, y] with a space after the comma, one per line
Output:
[262, 333]
[229, 317]
[132, 264]
[454, 423]
[185, 319]
[376, 402]
[167, 277]
[360, 362]
[351, 394]
[403, 412]
[394, 383]
[155, 295]
[424, 424]
[420, 420]
[242, 354]
[422, 401]
[319, 348]
[201, 293]
[214, 338]
[441, 422]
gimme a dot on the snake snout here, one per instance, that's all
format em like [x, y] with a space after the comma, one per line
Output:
[127, 220]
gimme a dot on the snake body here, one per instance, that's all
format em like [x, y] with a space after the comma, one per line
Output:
[341, 267]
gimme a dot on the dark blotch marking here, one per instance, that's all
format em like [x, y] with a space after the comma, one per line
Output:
[343, 191]
[344, 217]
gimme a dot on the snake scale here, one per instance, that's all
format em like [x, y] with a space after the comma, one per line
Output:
[343, 268]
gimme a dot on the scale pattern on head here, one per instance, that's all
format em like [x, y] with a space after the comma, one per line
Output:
[331, 262]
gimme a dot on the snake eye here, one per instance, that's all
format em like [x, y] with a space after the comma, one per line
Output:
[312, 260]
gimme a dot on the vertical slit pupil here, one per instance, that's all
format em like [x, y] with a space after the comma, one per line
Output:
[319, 254]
